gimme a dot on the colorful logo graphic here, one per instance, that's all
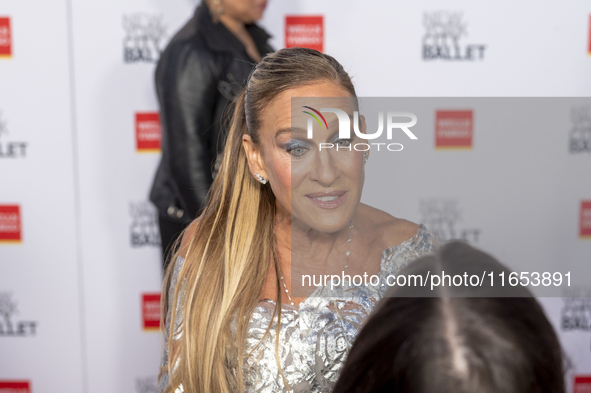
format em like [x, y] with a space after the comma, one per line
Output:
[5, 38]
[454, 129]
[585, 220]
[10, 224]
[319, 114]
[344, 128]
[147, 132]
[151, 311]
[305, 32]
[15, 387]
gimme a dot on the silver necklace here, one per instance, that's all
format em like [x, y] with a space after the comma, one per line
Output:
[346, 263]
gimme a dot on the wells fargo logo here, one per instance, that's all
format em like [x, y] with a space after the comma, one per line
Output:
[304, 31]
[147, 132]
[15, 387]
[585, 220]
[582, 384]
[5, 38]
[454, 129]
[10, 224]
[151, 311]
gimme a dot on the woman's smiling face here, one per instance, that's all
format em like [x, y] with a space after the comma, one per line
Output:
[319, 187]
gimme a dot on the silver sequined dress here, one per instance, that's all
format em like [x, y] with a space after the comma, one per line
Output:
[316, 335]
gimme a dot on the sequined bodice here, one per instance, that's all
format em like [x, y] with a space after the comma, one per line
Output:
[316, 335]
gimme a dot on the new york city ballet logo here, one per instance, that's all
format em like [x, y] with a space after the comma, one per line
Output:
[345, 128]
[10, 148]
[580, 133]
[5, 38]
[10, 224]
[442, 216]
[143, 229]
[9, 327]
[576, 313]
[145, 37]
[454, 129]
[146, 385]
[15, 387]
[148, 133]
[305, 32]
[443, 38]
[151, 311]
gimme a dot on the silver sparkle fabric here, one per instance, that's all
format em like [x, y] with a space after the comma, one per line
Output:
[316, 335]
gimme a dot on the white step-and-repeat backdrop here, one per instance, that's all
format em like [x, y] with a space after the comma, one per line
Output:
[80, 268]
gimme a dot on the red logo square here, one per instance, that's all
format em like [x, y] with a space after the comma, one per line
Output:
[151, 311]
[147, 132]
[5, 37]
[454, 129]
[15, 387]
[10, 223]
[585, 219]
[582, 384]
[305, 32]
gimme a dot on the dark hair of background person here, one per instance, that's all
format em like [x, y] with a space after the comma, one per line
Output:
[455, 344]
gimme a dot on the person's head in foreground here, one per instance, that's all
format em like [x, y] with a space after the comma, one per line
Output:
[279, 207]
[455, 340]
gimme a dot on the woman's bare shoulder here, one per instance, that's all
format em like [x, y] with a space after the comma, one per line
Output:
[389, 229]
[188, 236]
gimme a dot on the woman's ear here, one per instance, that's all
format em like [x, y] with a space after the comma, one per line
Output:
[253, 155]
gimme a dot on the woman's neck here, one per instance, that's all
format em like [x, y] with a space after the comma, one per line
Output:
[295, 236]
[236, 26]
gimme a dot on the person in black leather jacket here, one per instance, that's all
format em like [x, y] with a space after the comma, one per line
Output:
[201, 71]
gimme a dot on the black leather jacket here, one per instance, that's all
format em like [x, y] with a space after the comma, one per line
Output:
[201, 71]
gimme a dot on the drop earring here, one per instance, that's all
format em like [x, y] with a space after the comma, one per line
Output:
[261, 179]
[365, 157]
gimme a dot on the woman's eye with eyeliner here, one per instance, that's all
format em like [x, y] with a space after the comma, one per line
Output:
[343, 142]
[296, 149]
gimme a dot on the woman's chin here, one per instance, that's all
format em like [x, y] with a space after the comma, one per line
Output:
[323, 223]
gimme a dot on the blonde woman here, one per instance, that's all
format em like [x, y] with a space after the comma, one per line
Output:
[279, 207]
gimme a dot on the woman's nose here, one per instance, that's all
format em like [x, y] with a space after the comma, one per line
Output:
[325, 171]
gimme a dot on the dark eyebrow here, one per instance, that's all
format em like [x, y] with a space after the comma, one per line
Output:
[289, 130]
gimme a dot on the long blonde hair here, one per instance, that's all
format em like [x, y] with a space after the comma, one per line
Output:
[233, 246]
